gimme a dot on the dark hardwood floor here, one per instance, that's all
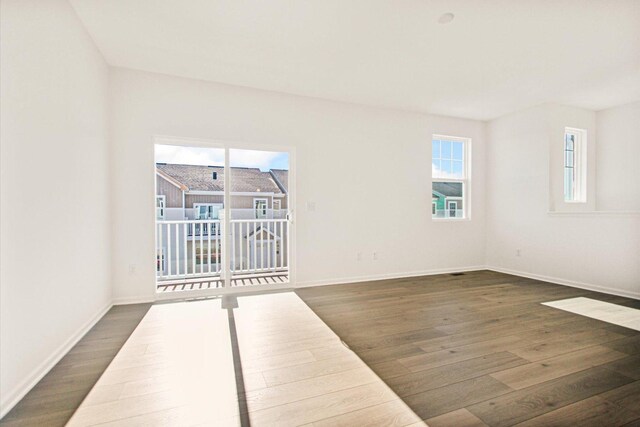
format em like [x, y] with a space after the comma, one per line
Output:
[480, 349]
[471, 350]
[56, 397]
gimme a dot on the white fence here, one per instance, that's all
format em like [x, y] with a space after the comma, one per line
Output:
[196, 248]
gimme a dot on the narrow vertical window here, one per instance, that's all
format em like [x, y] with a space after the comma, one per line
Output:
[450, 177]
[160, 204]
[260, 208]
[574, 165]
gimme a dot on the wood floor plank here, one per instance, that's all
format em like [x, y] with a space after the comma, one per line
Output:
[291, 392]
[556, 367]
[625, 396]
[449, 374]
[530, 402]
[389, 414]
[629, 366]
[565, 344]
[431, 403]
[384, 354]
[458, 418]
[591, 412]
[322, 407]
[422, 362]
[394, 340]
[629, 345]
[274, 377]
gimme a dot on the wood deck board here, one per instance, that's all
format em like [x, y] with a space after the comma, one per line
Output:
[207, 283]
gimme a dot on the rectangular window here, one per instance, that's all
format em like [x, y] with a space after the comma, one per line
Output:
[575, 165]
[260, 207]
[207, 210]
[160, 206]
[450, 176]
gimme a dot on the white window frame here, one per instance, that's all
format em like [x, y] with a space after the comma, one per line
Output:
[196, 207]
[578, 180]
[255, 207]
[448, 210]
[162, 208]
[434, 207]
[465, 180]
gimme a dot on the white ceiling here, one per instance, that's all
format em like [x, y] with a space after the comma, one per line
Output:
[497, 56]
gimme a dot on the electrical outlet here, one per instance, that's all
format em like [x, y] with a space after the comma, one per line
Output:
[375, 256]
[132, 268]
[311, 206]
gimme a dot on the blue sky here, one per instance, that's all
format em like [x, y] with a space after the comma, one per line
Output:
[447, 159]
[264, 160]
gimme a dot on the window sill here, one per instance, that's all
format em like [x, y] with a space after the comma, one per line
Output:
[450, 219]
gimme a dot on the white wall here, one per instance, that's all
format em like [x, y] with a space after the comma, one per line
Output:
[366, 169]
[618, 179]
[593, 249]
[55, 256]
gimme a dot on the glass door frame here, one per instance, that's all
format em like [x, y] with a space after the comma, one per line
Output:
[226, 275]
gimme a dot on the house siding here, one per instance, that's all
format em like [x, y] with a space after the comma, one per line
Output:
[283, 201]
[173, 195]
[237, 202]
[192, 199]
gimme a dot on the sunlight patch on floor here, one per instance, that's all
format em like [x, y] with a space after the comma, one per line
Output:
[605, 311]
[258, 360]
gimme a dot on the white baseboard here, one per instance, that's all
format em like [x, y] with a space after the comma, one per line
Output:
[9, 400]
[337, 281]
[565, 282]
[134, 300]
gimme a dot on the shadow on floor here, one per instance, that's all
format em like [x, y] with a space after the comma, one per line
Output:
[229, 303]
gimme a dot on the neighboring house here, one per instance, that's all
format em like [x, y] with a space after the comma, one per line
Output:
[188, 192]
[197, 192]
[446, 200]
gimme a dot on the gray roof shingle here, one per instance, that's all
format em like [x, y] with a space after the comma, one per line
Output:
[200, 178]
[449, 189]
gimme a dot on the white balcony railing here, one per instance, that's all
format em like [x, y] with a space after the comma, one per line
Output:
[188, 248]
[449, 213]
[259, 246]
[196, 248]
[180, 214]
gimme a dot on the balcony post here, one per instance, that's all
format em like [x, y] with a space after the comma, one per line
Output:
[226, 220]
